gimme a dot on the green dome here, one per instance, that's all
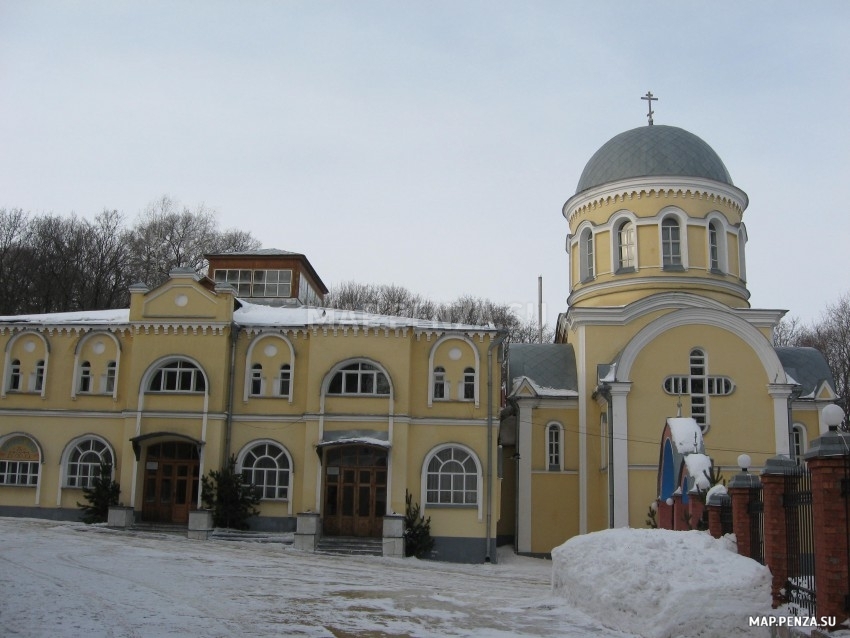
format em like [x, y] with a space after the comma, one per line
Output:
[653, 151]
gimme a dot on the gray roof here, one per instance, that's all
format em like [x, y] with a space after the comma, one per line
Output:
[264, 252]
[549, 365]
[807, 366]
[653, 151]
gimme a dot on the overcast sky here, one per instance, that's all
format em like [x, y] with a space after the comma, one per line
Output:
[429, 144]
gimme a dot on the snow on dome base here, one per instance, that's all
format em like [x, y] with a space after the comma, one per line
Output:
[660, 583]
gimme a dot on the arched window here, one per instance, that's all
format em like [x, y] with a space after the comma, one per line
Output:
[15, 375]
[671, 243]
[19, 461]
[586, 266]
[626, 242]
[256, 380]
[38, 382]
[713, 247]
[84, 462]
[267, 466]
[798, 442]
[109, 379]
[84, 384]
[554, 450]
[178, 376]
[440, 385]
[359, 379]
[452, 478]
[285, 380]
[469, 384]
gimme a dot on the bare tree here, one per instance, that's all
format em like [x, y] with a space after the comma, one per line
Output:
[399, 301]
[167, 236]
[831, 335]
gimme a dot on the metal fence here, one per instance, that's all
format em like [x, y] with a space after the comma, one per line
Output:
[756, 511]
[726, 526]
[799, 535]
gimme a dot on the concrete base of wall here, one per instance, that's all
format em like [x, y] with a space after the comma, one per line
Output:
[272, 524]
[453, 549]
[48, 513]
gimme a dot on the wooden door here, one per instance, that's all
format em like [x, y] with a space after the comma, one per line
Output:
[171, 482]
[355, 489]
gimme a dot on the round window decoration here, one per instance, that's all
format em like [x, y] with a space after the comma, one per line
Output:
[99, 347]
[455, 354]
[270, 350]
[181, 300]
[29, 346]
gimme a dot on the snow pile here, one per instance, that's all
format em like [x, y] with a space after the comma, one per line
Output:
[662, 584]
[699, 467]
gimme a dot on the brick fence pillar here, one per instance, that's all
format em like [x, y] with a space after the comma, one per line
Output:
[696, 507]
[715, 524]
[826, 459]
[680, 512]
[665, 514]
[775, 533]
[741, 489]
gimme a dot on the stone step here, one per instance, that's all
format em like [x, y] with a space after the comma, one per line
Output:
[250, 537]
[350, 546]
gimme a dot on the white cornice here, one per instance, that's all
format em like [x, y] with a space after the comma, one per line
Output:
[622, 315]
[630, 283]
[641, 186]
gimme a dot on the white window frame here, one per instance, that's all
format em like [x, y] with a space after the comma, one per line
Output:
[468, 387]
[85, 380]
[672, 248]
[104, 453]
[799, 441]
[587, 270]
[178, 369]
[284, 376]
[258, 382]
[360, 374]
[442, 388]
[554, 448]
[427, 471]
[15, 376]
[29, 470]
[277, 452]
[626, 239]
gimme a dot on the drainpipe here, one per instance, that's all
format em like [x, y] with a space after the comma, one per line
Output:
[500, 338]
[228, 427]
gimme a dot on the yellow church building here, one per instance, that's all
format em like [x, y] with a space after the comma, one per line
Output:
[658, 325]
[328, 412]
[338, 415]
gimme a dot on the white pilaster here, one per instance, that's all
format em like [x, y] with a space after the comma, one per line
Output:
[620, 444]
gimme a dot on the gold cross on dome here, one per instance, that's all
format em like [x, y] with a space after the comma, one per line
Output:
[648, 97]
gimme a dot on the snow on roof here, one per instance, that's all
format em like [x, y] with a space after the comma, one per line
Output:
[686, 435]
[699, 465]
[122, 315]
[259, 315]
[542, 391]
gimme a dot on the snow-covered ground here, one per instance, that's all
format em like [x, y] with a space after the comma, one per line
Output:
[66, 579]
[659, 583]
